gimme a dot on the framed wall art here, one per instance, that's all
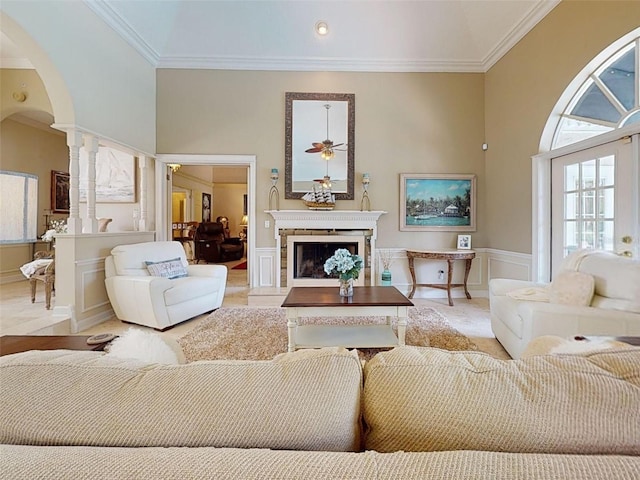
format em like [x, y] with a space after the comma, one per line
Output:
[206, 207]
[115, 176]
[437, 202]
[60, 192]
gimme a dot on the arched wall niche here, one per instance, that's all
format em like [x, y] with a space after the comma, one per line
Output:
[59, 97]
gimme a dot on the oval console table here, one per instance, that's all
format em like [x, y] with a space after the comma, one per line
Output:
[449, 256]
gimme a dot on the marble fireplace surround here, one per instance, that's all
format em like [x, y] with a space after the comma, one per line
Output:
[339, 222]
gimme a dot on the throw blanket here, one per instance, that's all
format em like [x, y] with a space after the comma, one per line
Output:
[532, 294]
[30, 268]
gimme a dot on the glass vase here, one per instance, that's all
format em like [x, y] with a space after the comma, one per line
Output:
[346, 287]
[385, 278]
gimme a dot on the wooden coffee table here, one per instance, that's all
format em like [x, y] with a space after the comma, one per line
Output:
[21, 343]
[327, 302]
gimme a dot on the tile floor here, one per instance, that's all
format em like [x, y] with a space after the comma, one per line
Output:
[470, 317]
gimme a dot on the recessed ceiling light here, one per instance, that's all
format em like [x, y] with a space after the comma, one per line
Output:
[322, 28]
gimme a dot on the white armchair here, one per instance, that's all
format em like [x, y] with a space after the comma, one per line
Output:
[156, 301]
[614, 309]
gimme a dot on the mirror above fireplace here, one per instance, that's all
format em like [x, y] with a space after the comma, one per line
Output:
[309, 118]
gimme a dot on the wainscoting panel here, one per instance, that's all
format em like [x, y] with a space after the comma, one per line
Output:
[265, 276]
[93, 287]
[489, 263]
[504, 264]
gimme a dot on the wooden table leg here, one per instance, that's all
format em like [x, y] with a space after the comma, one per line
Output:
[467, 269]
[449, 275]
[413, 276]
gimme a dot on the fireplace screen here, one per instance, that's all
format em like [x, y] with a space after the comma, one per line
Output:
[309, 257]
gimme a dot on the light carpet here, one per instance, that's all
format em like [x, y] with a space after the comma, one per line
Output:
[249, 333]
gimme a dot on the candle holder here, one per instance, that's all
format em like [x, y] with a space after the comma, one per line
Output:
[274, 194]
[365, 203]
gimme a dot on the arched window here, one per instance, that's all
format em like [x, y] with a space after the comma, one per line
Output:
[607, 100]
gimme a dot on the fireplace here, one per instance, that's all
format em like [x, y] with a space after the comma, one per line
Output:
[306, 255]
[353, 228]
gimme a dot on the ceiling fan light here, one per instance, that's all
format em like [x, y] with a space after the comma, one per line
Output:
[327, 154]
[322, 28]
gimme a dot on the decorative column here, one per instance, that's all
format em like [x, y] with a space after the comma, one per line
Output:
[74, 142]
[143, 167]
[91, 146]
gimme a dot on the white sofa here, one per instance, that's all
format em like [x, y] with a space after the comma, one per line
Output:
[614, 309]
[158, 302]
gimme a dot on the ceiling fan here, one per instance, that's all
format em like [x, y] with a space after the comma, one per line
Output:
[326, 148]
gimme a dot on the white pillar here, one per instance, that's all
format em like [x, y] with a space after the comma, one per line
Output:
[74, 142]
[143, 166]
[91, 147]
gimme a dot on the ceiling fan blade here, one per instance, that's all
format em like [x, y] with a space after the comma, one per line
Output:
[338, 144]
[314, 150]
[318, 145]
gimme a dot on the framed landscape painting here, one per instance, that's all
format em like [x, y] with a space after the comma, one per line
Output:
[437, 202]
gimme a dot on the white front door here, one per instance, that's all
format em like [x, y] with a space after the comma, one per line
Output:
[594, 199]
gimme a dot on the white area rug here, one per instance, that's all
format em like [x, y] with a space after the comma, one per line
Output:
[251, 333]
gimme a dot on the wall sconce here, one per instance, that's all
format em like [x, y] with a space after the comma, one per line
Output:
[274, 194]
[174, 167]
[322, 28]
[365, 203]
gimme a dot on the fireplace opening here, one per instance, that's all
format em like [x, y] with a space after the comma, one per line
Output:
[306, 255]
[309, 257]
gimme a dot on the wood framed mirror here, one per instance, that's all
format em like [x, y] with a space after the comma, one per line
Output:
[314, 118]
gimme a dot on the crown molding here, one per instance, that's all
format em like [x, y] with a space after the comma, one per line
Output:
[537, 12]
[319, 64]
[124, 29]
[310, 64]
[16, 63]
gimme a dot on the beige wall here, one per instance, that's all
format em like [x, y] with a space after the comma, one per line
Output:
[520, 93]
[228, 202]
[27, 149]
[405, 123]
[31, 150]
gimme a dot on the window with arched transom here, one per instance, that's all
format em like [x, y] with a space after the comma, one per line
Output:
[607, 100]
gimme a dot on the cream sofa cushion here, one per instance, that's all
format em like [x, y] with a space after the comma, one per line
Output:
[19, 462]
[617, 279]
[424, 399]
[571, 288]
[300, 401]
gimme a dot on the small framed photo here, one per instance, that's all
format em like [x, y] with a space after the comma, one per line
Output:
[464, 242]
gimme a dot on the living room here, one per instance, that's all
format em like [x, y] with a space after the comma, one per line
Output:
[459, 111]
[489, 111]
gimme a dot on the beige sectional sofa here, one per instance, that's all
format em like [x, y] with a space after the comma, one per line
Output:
[408, 413]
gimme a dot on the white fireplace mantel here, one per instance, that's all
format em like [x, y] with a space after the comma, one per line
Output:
[327, 220]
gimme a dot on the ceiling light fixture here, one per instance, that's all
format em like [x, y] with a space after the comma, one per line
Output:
[322, 28]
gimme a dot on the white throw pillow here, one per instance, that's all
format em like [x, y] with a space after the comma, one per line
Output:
[167, 268]
[572, 288]
[145, 346]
